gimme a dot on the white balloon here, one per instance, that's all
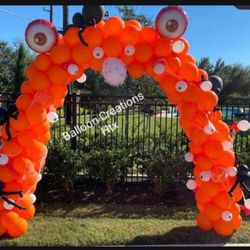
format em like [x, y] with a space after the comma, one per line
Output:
[243, 125]
[33, 198]
[4, 159]
[39, 177]
[98, 53]
[178, 46]
[52, 117]
[247, 203]
[205, 176]
[8, 206]
[227, 145]
[189, 157]
[114, 71]
[159, 68]
[73, 69]
[129, 50]
[191, 184]
[181, 86]
[82, 79]
[206, 85]
[232, 171]
[209, 129]
[227, 216]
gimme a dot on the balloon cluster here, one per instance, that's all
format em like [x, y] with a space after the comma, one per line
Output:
[114, 47]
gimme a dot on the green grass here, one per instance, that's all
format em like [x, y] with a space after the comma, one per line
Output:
[92, 225]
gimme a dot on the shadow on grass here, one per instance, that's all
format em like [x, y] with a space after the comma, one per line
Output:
[181, 235]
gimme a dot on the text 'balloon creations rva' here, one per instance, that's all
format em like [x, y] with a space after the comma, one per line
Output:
[116, 48]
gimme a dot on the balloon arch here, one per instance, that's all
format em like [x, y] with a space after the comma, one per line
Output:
[117, 48]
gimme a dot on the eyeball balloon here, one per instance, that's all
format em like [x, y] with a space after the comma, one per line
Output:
[243, 125]
[181, 86]
[178, 47]
[227, 145]
[98, 53]
[129, 50]
[7, 205]
[52, 117]
[189, 157]
[247, 203]
[191, 184]
[33, 198]
[205, 175]
[73, 69]
[82, 79]
[114, 71]
[159, 68]
[209, 129]
[206, 86]
[4, 159]
[227, 216]
[232, 171]
[39, 177]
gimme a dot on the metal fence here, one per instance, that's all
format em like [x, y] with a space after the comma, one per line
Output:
[141, 128]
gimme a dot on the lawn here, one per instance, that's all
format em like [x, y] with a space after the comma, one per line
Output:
[94, 225]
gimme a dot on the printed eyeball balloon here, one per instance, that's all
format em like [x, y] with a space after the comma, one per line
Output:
[33, 198]
[7, 205]
[178, 47]
[129, 50]
[227, 145]
[243, 125]
[209, 129]
[41, 36]
[191, 184]
[227, 216]
[82, 79]
[181, 86]
[4, 159]
[189, 157]
[52, 117]
[205, 176]
[247, 203]
[114, 71]
[171, 22]
[39, 177]
[98, 53]
[73, 69]
[232, 171]
[206, 86]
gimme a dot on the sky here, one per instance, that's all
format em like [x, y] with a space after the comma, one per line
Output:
[213, 31]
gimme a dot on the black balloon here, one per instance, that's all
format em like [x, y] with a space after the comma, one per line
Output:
[217, 84]
[92, 14]
[78, 20]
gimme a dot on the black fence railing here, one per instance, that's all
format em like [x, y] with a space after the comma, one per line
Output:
[96, 122]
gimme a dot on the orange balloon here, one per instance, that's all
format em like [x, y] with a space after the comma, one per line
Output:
[174, 98]
[130, 35]
[36, 149]
[210, 188]
[6, 175]
[71, 36]
[43, 62]
[101, 24]
[174, 63]
[222, 127]
[194, 148]
[224, 228]
[223, 200]
[188, 71]
[41, 127]
[186, 122]
[25, 137]
[112, 46]
[133, 22]
[44, 137]
[202, 198]
[93, 36]
[31, 71]
[96, 64]
[58, 91]
[136, 69]
[81, 54]
[22, 165]
[126, 59]
[114, 26]
[198, 136]
[143, 52]
[237, 193]
[57, 75]
[191, 94]
[207, 100]
[237, 222]
[212, 212]
[226, 159]
[60, 54]
[163, 47]
[148, 35]
[2, 230]
[4, 135]
[23, 101]
[58, 102]
[11, 148]
[26, 88]
[168, 84]
[39, 82]
[188, 109]
[27, 214]
[204, 162]
[213, 149]
[21, 123]
[36, 113]
[187, 58]
[203, 223]
[202, 75]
